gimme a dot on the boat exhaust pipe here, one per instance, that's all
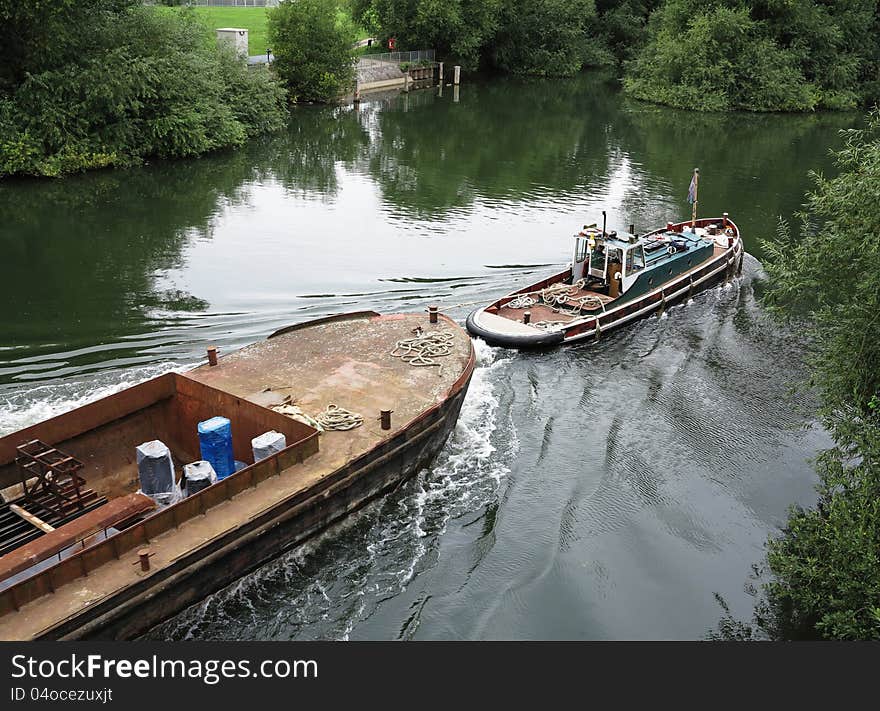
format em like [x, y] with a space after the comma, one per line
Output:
[604, 223]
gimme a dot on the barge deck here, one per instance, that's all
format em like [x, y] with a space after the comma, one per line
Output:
[346, 361]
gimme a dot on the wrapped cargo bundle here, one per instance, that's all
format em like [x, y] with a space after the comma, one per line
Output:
[267, 444]
[197, 476]
[215, 442]
[156, 472]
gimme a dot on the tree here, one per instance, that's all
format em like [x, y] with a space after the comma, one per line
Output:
[715, 59]
[458, 29]
[826, 564]
[123, 83]
[759, 55]
[312, 48]
[544, 38]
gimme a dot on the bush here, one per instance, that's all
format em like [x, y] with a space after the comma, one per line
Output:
[717, 61]
[748, 54]
[312, 44]
[545, 39]
[826, 564]
[460, 30]
[143, 84]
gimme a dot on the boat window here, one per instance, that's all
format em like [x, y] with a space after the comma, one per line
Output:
[598, 256]
[580, 254]
[635, 259]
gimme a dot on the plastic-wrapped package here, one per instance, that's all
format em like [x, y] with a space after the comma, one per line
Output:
[167, 498]
[155, 468]
[215, 442]
[267, 444]
[197, 476]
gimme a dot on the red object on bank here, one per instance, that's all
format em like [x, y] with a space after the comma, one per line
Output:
[391, 43]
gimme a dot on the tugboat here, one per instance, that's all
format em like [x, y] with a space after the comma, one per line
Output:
[614, 278]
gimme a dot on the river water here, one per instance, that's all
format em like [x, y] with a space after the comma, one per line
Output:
[607, 491]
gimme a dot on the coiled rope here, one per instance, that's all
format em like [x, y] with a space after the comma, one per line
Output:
[555, 296]
[424, 348]
[523, 301]
[338, 418]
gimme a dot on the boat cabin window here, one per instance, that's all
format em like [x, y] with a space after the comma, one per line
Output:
[580, 253]
[635, 259]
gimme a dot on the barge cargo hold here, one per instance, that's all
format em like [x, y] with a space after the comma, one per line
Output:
[115, 570]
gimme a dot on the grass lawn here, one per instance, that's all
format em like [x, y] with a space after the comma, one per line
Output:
[252, 19]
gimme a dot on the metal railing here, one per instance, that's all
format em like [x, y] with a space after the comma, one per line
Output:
[419, 55]
[233, 3]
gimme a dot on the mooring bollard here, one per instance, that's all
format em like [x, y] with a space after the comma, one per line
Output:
[456, 75]
[385, 418]
[212, 355]
[432, 314]
[144, 557]
[527, 316]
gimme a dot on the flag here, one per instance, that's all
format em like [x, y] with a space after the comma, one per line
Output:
[692, 190]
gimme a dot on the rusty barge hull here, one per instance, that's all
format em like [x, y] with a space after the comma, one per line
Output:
[289, 524]
[209, 539]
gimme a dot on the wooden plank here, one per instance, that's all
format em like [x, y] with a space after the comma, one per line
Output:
[31, 519]
[50, 544]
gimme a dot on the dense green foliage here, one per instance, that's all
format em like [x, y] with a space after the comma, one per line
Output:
[460, 29]
[312, 43]
[542, 38]
[94, 83]
[759, 55]
[826, 565]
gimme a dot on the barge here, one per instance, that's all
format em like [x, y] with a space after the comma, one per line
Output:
[612, 280]
[98, 558]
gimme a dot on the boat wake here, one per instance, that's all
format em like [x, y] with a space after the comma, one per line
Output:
[331, 585]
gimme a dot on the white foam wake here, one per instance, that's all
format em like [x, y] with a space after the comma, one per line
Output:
[22, 408]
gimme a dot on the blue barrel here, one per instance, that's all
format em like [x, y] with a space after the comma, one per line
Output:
[215, 442]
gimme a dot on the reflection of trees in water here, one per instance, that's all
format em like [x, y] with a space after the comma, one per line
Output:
[81, 253]
[753, 166]
[508, 139]
[304, 159]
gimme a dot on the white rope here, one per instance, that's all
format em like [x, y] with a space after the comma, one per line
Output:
[523, 301]
[296, 413]
[338, 418]
[424, 348]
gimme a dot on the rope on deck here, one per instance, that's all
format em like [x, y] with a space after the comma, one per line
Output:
[424, 348]
[338, 418]
[555, 296]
